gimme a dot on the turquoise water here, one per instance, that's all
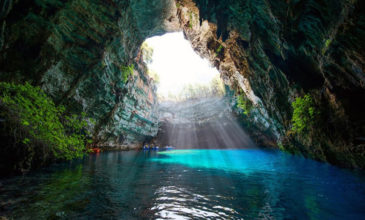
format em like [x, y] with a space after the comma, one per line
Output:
[186, 184]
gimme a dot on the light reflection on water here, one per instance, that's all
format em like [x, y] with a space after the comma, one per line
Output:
[186, 184]
[243, 161]
[179, 203]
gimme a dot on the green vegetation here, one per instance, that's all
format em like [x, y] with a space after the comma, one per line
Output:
[147, 52]
[327, 43]
[219, 49]
[126, 72]
[244, 103]
[191, 19]
[33, 125]
[154, 75]
[281, 146]
[304, 113]
[217, 86]
[195, 91]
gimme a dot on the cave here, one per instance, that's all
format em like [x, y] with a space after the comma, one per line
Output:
[74, 81]
[194, 108]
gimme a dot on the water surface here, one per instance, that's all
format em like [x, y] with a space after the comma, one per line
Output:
[186, 184]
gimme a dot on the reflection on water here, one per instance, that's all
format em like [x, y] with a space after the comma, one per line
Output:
[179, 203]
[186, 184]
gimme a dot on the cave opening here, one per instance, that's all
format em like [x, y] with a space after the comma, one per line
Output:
[179, 72]
[194, 109]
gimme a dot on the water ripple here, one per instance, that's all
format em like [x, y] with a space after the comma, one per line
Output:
[198, 184]
[179, 203]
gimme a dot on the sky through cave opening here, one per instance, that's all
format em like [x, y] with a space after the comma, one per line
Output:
[179, 68]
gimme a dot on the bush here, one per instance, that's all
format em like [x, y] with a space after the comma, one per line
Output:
[304, 113]
[126, 72]
[244, 103]
[35, 130]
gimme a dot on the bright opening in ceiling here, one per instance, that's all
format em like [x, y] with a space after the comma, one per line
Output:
[178, 67]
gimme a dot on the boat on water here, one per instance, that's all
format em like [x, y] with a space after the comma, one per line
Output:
[96, 150]
[147, 147]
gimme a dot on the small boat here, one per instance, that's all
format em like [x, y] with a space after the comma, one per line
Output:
[146, 147]
[96, 150]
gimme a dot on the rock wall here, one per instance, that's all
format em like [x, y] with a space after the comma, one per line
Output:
[135, 118]
[76, 51]
[276, 51]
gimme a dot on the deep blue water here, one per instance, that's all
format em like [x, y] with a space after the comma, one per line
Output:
[191, 184]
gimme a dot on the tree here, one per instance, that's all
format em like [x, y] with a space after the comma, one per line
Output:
[147, 52]
[154, 75]
[217, 86]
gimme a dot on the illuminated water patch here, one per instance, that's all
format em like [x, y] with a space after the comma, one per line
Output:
[243, 161]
